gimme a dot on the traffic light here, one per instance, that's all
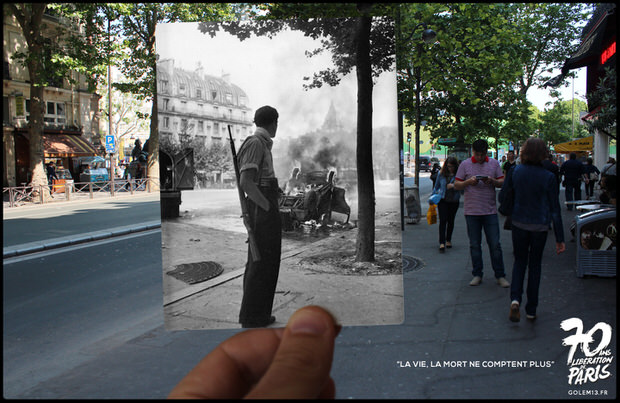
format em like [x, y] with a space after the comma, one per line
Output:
[408, 137]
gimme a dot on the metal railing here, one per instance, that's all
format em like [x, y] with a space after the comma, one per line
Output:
[23, 195]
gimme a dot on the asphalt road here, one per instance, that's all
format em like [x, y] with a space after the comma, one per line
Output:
[28, 224]
[64, 307]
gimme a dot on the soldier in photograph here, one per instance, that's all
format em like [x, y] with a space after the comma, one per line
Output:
[258, 181]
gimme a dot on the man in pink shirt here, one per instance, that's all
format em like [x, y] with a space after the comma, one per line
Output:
[478, 177]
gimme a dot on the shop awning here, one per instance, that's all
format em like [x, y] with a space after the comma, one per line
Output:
[591, 45]
[584, 144]
[65, 145]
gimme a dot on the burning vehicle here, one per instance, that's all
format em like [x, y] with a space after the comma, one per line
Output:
[311, 198]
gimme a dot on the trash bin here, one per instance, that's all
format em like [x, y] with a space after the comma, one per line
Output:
[412, 209]
[595, 235]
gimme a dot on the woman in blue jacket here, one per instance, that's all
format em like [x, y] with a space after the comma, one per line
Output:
[447, 200]
[536, 205]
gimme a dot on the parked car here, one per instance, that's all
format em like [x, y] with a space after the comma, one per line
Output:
[425, 163]
[435, 160]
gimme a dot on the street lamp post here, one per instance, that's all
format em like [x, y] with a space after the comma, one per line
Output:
[428, 37]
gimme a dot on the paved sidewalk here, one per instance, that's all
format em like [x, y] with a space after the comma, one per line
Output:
[465, 331]
[455, 340]
[215, 304]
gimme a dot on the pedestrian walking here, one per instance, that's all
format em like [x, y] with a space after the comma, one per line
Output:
[448, 203]
[509, 163]
[590, 177]
[258, 181]
[572, 171]
[478, 176]
[51, 175]
[536, 206]
[550, 166]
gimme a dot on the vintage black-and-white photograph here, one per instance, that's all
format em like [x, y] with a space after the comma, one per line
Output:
[288, 221]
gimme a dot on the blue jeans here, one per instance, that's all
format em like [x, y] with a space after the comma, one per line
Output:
[528, 250]
[490, 224]
[572, 192]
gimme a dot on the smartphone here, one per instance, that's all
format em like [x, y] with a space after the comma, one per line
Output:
[481, 177]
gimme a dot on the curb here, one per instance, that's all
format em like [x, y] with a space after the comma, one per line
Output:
[32, 247]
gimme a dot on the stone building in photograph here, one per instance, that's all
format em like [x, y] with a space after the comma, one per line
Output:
[193, 104]
[71, 110]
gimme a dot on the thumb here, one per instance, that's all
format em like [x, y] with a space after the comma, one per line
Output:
[301, 365]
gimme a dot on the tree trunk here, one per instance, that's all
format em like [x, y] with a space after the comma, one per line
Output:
[153, 159]
[29, 18]
[365, 245]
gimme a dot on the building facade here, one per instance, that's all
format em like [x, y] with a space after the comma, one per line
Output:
[71, 111]
[192, 104]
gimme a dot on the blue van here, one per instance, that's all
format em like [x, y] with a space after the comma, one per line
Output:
[92, 169]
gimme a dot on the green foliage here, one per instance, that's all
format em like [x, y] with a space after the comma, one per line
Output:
[551, 33]
[473, 82]
[331, 23]
[555, 124]
[605, 96]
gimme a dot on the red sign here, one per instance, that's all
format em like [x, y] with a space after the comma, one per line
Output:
[607, 53]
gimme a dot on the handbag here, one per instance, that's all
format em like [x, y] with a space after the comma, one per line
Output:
[506, 196]
[434, 199]
[593, 176]
[431, 214]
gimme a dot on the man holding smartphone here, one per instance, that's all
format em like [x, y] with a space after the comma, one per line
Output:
[478, 176]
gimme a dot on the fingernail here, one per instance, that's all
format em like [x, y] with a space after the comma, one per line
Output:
[307, 322]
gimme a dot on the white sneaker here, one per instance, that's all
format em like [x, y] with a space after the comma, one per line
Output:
[476, 281]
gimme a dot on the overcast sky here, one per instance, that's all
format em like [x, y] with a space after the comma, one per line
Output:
[271, 72]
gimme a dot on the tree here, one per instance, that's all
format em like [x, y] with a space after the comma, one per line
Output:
[550, 32]
[463, 93]
[459, 94]
[128, 116]
[356, 41]
[30, 18]
[562, 122]
[555, 124]
[604, 97]
[136, 24]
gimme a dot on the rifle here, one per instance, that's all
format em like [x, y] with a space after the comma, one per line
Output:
[244, 208]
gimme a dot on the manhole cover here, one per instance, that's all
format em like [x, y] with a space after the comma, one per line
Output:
[411, 263]
[192, 273]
